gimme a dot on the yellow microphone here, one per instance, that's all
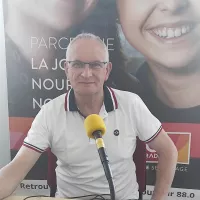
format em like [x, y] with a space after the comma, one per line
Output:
[95, 129]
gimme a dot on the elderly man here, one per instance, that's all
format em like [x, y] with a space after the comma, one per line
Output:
[60, 126]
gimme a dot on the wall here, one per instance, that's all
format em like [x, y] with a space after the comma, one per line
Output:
[4, 131]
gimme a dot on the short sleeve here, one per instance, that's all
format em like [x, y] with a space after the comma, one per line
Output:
[147, 125]
[38, 136]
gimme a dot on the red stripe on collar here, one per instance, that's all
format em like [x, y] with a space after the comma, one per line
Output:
[115, 103]
[69, 107]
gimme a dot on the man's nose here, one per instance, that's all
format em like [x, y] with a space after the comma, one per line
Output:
[87, 71]
[173, 6]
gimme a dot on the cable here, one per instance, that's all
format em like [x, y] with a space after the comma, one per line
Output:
[97, 197]
[34, 196]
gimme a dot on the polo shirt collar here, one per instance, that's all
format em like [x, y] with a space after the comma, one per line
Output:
[110, 100]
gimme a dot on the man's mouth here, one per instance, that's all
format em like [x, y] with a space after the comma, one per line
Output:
[175, 32]
[86, 82]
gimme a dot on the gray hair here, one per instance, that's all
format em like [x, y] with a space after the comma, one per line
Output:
[88, 36]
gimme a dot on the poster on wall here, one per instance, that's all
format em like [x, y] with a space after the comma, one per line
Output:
[153, 46]
[168, 38]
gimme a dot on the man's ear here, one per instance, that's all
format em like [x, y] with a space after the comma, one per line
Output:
[109, 69]
[66, 67]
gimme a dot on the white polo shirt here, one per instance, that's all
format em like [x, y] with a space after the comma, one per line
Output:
[60, 126]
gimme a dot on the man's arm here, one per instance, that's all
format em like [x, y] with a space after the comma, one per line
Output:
[168, 155]
[12, 174]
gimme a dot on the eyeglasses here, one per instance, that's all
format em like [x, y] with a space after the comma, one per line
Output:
[81, 65]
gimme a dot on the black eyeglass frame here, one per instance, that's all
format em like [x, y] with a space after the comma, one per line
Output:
[85, 63]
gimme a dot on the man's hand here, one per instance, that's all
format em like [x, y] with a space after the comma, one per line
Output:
[167, 161]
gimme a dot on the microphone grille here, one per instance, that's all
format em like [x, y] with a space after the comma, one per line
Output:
[94, 123]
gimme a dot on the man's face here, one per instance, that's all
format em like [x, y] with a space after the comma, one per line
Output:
[166, 32]
[87, 80]
[57, 14]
